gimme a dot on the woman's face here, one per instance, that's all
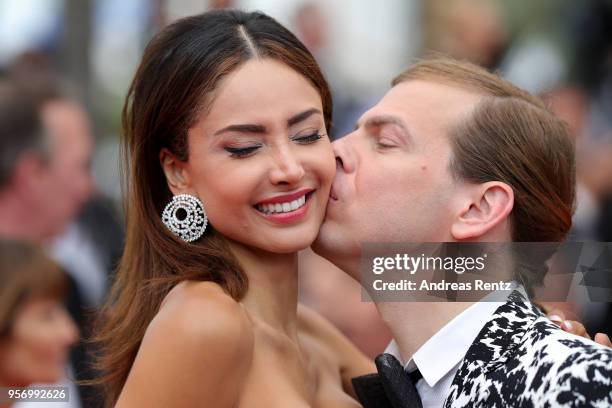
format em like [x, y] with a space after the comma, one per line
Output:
[260, 159]
[36, 350]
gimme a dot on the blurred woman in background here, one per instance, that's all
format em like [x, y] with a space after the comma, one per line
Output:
[36, 332]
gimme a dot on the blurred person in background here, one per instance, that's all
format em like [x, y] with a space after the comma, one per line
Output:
[472, 30]
[578, 91]
[36, 331]
[311, 23]
[45, 149]
[89, 235]
[221, 4]
[481, 32]
[311, 27]
[588, 28]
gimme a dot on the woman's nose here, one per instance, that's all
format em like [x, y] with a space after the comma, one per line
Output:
[287, 168]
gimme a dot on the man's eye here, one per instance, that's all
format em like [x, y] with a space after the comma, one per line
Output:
[383, 145]
[241, 151]
[308, 138]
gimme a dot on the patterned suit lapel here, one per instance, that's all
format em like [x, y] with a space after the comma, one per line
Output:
[495, 344]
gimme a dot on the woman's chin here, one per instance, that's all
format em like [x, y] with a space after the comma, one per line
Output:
[288, 247]
[283, 240]
[289, 243]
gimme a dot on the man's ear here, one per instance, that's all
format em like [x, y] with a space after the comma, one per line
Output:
[29, 171]
[488, 206]
[176, 172]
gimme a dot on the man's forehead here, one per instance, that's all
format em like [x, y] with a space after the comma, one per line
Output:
[424, 108]
[431, 98]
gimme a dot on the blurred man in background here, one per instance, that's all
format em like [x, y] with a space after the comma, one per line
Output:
[46, 146]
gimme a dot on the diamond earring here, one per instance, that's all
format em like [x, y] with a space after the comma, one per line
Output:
[185, 217]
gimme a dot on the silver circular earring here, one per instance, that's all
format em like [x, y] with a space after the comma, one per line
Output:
[193, 220]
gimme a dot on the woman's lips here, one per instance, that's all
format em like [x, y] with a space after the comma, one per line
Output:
[288, 211]
[285, 197]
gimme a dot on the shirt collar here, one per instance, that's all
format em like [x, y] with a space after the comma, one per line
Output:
[445, 349]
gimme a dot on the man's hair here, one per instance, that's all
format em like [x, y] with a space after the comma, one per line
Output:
[20, 127]
[510, 136]
[24, 91]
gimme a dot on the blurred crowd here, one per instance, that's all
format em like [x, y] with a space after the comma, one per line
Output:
[61, 228]
[60, 239]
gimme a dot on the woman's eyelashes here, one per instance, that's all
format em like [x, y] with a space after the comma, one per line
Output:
[308, 138]
[240, 152]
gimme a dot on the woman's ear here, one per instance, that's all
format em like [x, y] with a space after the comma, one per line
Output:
[176, 172]
[488, 207]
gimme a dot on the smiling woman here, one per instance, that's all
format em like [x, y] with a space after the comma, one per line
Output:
[229, 112]
[265, 131]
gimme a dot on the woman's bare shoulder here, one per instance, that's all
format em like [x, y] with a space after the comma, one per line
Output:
[198, 346]
[202, 311]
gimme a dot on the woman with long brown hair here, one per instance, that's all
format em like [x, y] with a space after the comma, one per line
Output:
[229, 168]
[36, 331]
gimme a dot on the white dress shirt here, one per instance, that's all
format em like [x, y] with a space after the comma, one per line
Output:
[439, 358]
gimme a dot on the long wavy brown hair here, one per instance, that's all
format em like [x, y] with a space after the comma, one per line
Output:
[180, 68]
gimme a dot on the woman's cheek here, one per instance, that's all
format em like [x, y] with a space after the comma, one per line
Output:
[329, 165]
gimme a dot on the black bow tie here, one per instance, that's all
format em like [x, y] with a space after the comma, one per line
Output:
[392, 387]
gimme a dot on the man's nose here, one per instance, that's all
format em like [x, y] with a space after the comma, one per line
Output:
[345, 155]
[287, 168]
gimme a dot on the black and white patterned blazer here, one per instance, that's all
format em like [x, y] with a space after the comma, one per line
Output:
[521, 359]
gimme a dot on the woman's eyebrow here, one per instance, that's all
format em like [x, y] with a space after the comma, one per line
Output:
[242, 128]
[295, 119]
[255, 128]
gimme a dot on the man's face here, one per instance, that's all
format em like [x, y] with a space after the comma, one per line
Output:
[393, 182]
[68, 178]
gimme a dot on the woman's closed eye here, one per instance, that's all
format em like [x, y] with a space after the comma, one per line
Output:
[239, 152]
[311, 137]
[245, 151]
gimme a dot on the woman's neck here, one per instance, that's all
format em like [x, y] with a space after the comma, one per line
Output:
[273, 287]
